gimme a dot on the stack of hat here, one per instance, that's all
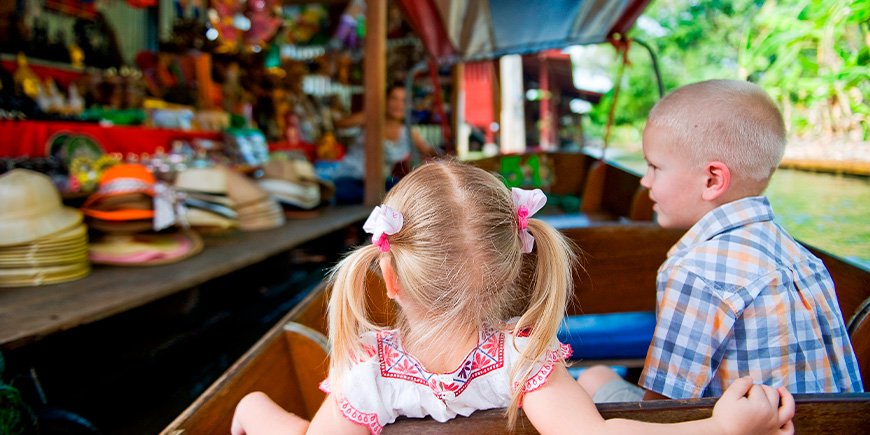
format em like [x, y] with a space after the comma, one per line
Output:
[257, 210]
[211, 191]
[208, 209]
[41, 241]
[295, 185]
[123, 209]
[124, 202]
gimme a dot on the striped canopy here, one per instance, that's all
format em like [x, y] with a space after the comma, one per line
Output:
[469, 30]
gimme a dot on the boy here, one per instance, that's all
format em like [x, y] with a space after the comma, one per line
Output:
[737, 296]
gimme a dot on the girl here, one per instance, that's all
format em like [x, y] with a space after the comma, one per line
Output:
[462, 259]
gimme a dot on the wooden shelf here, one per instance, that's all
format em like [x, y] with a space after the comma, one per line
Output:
[28, 314]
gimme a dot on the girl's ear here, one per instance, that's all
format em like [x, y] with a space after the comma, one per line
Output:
[391, 280]
[718, 180]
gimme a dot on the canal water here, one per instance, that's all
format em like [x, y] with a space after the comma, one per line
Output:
[829, 212]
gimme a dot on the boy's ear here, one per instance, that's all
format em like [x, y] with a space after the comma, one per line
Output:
[718, 180]
[391, 280]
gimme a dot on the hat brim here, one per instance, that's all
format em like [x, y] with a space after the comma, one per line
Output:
[26, 230]
[148, 250]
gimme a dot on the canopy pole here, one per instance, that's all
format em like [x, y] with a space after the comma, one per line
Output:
[375, 99]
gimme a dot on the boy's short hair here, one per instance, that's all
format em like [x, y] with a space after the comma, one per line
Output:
[731, 121]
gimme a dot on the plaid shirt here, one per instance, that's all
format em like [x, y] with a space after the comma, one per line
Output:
[738, 296]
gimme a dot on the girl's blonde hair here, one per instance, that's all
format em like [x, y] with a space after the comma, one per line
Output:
[458, 258]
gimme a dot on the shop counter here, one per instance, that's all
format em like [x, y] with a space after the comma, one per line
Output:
[28, 314]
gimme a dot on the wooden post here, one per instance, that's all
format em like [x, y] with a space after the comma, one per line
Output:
[375, 98]
[457, 101]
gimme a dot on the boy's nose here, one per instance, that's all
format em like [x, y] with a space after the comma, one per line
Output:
[644, 182]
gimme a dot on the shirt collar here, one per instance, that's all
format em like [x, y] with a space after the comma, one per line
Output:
[726, 217]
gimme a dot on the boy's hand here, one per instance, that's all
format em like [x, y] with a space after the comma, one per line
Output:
[745, 408]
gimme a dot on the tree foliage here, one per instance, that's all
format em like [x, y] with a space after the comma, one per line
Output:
[810, 55]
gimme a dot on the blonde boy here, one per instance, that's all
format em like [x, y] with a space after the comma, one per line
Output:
[737, 296]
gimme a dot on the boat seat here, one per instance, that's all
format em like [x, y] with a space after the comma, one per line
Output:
[859, 334]
[615, 339]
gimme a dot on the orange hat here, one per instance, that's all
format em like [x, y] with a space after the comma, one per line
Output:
[121, 180]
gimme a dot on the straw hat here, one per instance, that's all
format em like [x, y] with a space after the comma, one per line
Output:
[43, 275]
[294, 170]
[201, 218]
[207, 180]
[243, 190]
[305, 196]
[31, 208]
[301, 172]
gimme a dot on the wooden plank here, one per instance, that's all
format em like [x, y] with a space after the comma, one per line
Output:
[28, 314]
[620, 262]
[815, 414]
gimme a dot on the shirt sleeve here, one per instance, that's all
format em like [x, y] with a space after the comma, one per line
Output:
[693, 325]
[556, 354]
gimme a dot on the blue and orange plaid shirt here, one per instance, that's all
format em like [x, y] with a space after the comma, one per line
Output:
[737, 297]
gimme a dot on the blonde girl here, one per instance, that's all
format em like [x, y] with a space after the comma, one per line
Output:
[481, 289]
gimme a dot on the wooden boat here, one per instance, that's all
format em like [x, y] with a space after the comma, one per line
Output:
[621, 257]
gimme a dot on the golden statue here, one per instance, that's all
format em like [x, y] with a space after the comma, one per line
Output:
[25, 78]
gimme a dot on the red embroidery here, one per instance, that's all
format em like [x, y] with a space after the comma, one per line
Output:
[369, 420]
[486, 357]
[480, 360]
[406, 367]
[370, 351]
[389, 355]
[540, 378]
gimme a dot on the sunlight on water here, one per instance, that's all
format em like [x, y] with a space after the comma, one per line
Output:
[829, 212]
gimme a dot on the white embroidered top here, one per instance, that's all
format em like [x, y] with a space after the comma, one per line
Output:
[391, 383]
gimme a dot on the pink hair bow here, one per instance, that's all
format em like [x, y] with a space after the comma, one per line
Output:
[527, 203]
[382, 222]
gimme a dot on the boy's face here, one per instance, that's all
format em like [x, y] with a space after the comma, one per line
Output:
[675, 184]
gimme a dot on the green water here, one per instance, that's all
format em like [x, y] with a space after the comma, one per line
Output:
[829, 212]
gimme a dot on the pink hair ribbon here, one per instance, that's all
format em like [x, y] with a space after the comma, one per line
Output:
[527, 203]
[382, 222]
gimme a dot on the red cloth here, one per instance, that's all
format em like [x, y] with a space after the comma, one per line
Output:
[62, 76]
[30, 138]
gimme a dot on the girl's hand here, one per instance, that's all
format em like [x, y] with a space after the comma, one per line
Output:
[747, 408]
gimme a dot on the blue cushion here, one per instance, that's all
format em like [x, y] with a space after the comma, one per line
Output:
[609, 336]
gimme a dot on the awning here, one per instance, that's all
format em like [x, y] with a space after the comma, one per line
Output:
[469, 30]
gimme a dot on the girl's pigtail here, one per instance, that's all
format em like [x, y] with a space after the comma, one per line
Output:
[552, 285]
[348, 318]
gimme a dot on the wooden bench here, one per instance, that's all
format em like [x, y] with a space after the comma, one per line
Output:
[815, 414]
[607, 192]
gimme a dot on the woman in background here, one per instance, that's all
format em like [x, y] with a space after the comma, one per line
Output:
[398, 140]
